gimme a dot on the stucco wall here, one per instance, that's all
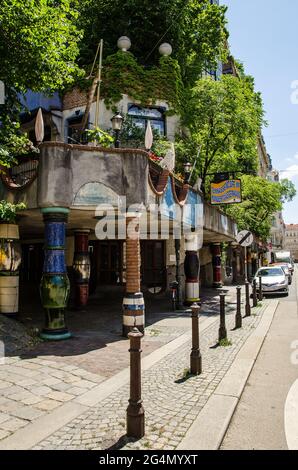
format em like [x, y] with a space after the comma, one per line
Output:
[65, 169]
[76, 105]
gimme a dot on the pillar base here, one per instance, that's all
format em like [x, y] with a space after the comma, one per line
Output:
[195, 363]
[58, 335]
[217, 285]
[135, 419]
[12, 315]
[82, 295]
[222, 335]
[238, 323]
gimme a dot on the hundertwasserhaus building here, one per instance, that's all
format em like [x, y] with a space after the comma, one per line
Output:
[74, 192]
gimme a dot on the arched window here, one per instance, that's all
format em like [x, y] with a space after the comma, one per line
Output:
[141, 115]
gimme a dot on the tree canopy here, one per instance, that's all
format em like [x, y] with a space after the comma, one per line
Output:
[38, 48]
[196, 29]
[223, 120]
[261, 199]
[38, 44]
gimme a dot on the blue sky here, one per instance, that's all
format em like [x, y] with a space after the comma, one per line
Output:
[264, 36]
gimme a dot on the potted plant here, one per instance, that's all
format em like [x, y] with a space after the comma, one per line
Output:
[10, 257]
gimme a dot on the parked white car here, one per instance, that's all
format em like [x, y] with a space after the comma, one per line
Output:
[286, 269]
[274, 280]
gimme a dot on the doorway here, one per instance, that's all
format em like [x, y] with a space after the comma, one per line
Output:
[153, 268]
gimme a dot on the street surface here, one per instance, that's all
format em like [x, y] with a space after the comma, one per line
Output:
[74, 395]
[259, 419]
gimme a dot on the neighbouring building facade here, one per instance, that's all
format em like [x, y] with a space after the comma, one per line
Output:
[291, 240]
[278, 229]
[277, 233]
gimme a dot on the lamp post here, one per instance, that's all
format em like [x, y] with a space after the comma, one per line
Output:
[2, 92]
[187, 171]
[117, 121]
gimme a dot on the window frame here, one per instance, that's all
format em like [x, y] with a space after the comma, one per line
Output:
[161, 109]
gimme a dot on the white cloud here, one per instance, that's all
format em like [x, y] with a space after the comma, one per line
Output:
[291, 172]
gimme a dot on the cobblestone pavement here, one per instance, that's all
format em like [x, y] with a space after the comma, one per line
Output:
[40, 380]
[33, 386]
[172, 399]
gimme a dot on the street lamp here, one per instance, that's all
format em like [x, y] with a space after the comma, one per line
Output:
[187, 171]
[2, 92]
[124, 43]
[117, 121]
[165, 49]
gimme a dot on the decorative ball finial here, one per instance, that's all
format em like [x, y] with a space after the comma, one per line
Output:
[124, 43]
[165, 49]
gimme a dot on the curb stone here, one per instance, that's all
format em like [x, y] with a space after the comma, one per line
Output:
[208, 430]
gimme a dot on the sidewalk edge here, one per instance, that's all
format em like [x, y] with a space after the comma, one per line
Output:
[208, 430]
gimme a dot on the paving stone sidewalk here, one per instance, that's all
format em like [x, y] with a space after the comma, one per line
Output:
[35, 382]
[172, 399]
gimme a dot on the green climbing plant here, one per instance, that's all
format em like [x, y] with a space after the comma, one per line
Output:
[122, 74]
[8, 211]
[98, 136]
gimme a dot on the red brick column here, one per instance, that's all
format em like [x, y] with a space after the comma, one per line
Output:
[133, 302]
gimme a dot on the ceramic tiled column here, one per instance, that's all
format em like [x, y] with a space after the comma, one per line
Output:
[55, 287]
[191, 269]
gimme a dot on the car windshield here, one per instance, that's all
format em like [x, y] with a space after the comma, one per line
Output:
[284, 260]
[283, 266]
[270, 272]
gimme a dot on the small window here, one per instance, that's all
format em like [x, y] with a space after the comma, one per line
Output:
[140, 116]
[73, 129]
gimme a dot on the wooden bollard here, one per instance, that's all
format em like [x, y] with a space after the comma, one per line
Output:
[195, 356]
[260, 289]
[222, 334]
[247, 303]
[254, 293]
[238, 319]
[135, 414]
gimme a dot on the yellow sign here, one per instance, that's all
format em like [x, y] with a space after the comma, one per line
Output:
[226, 192]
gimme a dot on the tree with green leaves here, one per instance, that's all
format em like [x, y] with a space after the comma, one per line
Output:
[222, 121]
[288, 190]
[260, 200]
[38, 48]
[196, 29]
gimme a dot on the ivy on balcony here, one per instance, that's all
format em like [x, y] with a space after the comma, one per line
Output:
[122, 74]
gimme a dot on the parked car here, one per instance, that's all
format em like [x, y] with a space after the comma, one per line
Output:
[274, 280]
[286, 269]
[284, 257]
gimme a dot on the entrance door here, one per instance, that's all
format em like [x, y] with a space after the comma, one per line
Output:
[32, 262]
[110, 262]
[153, 267]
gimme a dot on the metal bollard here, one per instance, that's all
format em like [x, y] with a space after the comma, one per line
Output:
[260, 289]
[247, 303]
[238, 319]
[254, 293]
[195, 356]
[135, 414]
[222, 334]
